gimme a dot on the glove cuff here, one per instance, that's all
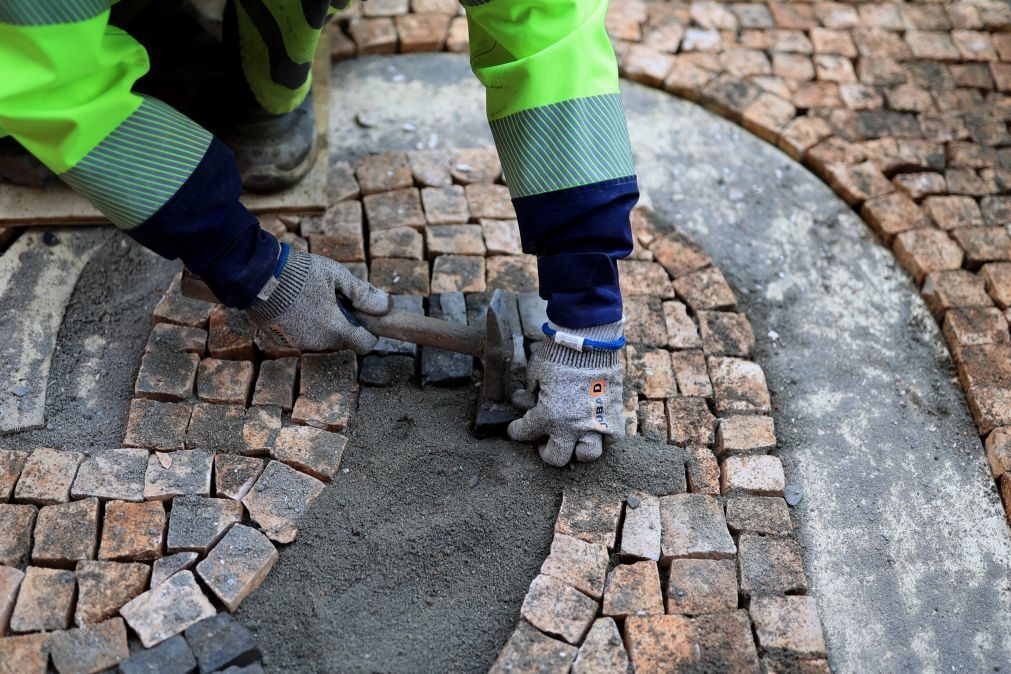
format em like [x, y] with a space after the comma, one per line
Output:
[563, 355]
[289, 287]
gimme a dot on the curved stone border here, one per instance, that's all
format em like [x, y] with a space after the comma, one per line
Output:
[902, 108]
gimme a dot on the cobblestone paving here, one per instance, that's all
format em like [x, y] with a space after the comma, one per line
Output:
[901, 107]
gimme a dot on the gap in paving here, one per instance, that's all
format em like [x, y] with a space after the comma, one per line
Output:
[418, 558]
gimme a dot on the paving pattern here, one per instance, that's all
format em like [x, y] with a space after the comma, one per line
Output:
[901, 107]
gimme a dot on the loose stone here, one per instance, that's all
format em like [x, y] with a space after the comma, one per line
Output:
[47, 476]
[693, 526]
[593, 519]
[45, 602]
[311, 450]
[65, 533]
[16, 523]
[133, 531]
[558, 609]
[237, 565]
[90, 649]
[602, 650]
[164, 567]
[577, 563]
[167, 609]
[633, 589]
[221, 641]
[112, 474]
[234, 475]
[177, 474]
[279, 498]
[103, 587]
[197, 523]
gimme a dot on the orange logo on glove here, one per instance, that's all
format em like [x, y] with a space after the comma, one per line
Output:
[598, 403]
[597, 388]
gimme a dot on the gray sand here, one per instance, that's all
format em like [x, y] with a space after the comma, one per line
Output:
[403, 565]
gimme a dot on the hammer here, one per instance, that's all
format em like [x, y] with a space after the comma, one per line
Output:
[499, 345]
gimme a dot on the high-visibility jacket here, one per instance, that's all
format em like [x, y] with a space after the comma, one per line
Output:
[67, 95]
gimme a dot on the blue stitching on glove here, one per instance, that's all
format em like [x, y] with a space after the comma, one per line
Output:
[590, 344]
[282, 260]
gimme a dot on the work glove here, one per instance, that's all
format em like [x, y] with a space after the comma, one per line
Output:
[573, 394]
[305, 310]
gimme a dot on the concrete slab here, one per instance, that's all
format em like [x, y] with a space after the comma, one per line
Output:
[36, 283]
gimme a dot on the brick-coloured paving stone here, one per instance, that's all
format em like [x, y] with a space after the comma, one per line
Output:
[221, 642]
[858, 182]
[178, 474]
[639, 277]
[384, 172]
[167, 609]
[10, 583]
[659, 643]
[25, 654]
[269, 345]
[703, 472]
[156, 425]
[698, 586]
[174, 308]
[745, 434]
[949, 212]
[944, 290]
[602, 650]
[529, 650]
[133, 531]
[227, 382]
[739, 386]
[338, 233]
[919, 185]
[230, 334]
[399, 208]
[644, 323]
[769, 565]
[404, 277]
[558, 609]
[310, 450]
[422, 32]
[197, 523]
[766, 515]
[399, 242]
[65, 533]
[693, 526]
[515, 273]
[726, 334]
[445, 205]
[651, 372]
[47, 476]
[170, 337]
[260, 429]
[788, 625]
[892, 214]
[653, 420]
[237, 565]
[112, 474]
[501, 237]
[234, 475]
[975, 327]
[45, 601]
[458, 273]
[490, 201]
[280, 496]
[16, 524]
[216, 427]
[12, 461]
[275, 384]
[758, 475]
[927, 250]
[103, 587]
[593, 519]
[983, 244]
[997, 280]
[476, 165]
[633, 589]
[454, 240]
[998, 451]
[577, 563]
[91, 648]
[678, 256]
[165, 375]
[165, 567]
[705, 289]
[640, 531]
[430, 167]
[689, 422]
[682, 332]
[691, 373]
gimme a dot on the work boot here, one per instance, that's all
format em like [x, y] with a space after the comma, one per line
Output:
[273, 152]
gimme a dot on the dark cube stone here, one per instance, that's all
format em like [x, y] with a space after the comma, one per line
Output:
[172, 656]
[221, 641]
[440, 367]
[383, 371]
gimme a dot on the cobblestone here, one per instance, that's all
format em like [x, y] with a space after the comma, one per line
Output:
[640, 532]
[172, 656]
[220, 642]
[166, 375]
[10, 583]
[788, 624]
[216, 427]
[760, 475]
[589, 518]
[90, 649]
[197, 523]
[279, 498]
[693, 526]
[577, 563]
[698, 586]
[229, 334]
[178, 474]
[557, 609]
[227, 382]
[171, 337]
[529, 650]
[769, 565]
[65, 533]
[133, 531]
[237, 565]
[167, 609]
[112, 474]
[157, 425]
[47, 476]
[602, 650]
[633, 590]
[766, 515]
[45, 601]
[103, 587]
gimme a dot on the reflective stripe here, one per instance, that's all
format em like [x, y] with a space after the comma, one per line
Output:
[47, 12]
[141, 164]
[568, 144]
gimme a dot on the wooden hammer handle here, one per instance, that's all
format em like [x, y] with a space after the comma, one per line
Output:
[401, 325]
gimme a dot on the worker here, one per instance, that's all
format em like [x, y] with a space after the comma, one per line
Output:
[68, 95]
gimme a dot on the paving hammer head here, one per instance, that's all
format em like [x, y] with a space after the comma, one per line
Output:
[498, 343]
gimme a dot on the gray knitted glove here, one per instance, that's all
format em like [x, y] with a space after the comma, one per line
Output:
[304, 310]
[573, 397]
